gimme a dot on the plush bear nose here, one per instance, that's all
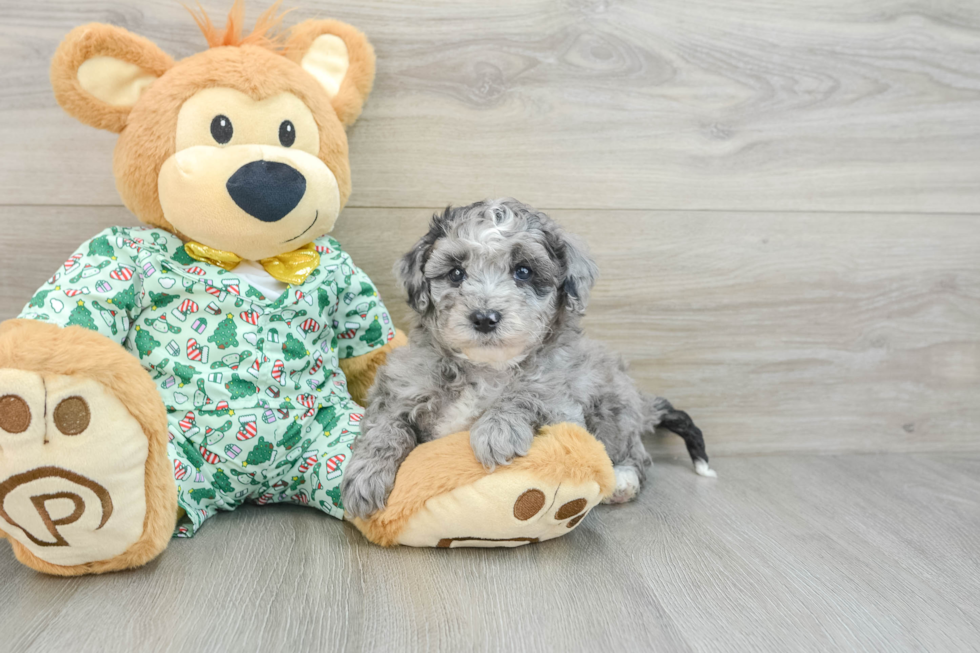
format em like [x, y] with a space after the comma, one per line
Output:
[485, 321]
[267, 190]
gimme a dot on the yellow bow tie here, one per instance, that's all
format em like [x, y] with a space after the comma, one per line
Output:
[291, 267]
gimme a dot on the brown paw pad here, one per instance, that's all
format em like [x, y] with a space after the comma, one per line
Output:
[15, 414]
[572, 509]
[529, 504]
[532, 501]
[72, 415]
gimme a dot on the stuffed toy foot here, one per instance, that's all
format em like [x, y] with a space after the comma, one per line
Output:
[84, 480]
[443, 497]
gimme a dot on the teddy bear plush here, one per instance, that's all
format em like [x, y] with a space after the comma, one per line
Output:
[218, 355]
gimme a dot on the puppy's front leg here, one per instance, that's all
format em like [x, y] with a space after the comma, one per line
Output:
[370, 475]
[503, 432]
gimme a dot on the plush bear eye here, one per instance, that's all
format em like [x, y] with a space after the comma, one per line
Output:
[456, 275]
[221, 129]
[522, 273]
[287, 133]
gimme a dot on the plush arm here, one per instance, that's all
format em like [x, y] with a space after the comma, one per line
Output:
[79, 295]
[361, 320]
[367, 334]
[360, 370]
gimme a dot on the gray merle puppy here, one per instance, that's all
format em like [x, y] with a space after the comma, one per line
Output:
[500, 289]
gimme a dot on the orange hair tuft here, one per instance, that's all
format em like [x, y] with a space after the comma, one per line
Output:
[264, 33]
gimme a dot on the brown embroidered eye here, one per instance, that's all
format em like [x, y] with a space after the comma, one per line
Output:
[287, 133]
[221, 129]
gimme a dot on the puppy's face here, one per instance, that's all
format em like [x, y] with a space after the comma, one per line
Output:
[495, 280]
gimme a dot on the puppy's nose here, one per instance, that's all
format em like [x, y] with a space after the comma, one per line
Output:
[267, 190]
[485, 321]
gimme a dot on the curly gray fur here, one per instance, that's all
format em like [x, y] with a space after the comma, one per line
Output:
[533, 368]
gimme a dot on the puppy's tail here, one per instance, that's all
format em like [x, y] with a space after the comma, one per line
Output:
[659, 412]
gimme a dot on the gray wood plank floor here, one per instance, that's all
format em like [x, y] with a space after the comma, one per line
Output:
[801, 553]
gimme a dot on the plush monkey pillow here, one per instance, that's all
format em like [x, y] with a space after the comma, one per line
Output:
[217, 355]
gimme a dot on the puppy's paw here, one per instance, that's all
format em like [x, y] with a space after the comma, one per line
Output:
[497, 440]
[366, 487]
[627, 485]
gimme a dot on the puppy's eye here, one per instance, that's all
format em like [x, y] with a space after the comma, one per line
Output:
[456, 275]
[221, 129]
[287, 133]
[523, 273]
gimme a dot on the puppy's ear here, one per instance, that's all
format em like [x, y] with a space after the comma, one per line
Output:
[340, 58]
[581, 273]
[100, 71]
[410, 270]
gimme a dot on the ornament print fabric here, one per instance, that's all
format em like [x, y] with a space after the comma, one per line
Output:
[258, 408]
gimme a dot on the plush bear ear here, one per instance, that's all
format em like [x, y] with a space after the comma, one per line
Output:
[341, 60]
[100, 71]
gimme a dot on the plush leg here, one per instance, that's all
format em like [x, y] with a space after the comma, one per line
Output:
[443, 497]
[85, 483]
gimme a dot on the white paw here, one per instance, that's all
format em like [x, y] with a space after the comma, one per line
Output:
[627, 485]
[701, 467]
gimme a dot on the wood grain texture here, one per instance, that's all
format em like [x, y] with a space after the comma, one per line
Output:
[827, 299]
[693, 104]
[778, 333]
[802, 553]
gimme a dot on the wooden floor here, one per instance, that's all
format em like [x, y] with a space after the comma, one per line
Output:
[783, 553]
[784, 201]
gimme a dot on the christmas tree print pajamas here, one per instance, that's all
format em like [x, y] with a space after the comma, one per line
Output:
[258, 408]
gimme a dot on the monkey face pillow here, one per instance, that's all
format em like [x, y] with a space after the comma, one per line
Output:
[218, 355]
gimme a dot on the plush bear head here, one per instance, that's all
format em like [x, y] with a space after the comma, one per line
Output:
[241, 147]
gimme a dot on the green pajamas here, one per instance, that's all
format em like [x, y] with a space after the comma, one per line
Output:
[258, 408]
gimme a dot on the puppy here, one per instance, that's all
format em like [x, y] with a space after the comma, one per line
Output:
[500, 290]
